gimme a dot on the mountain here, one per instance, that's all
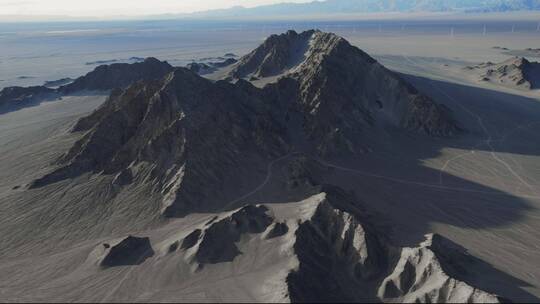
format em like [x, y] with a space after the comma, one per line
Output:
[118, 75]
[187, 133]
[515, 72]
[18, 96]
[102, 78]
[373, 6]
[195, 139]
[334, 247]
[339, 84]
[184, 188]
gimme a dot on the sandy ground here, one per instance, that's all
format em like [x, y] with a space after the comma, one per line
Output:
[41, 127]
[481, 190]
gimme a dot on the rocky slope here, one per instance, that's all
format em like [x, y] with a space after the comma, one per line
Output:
[515, 72]
[343, 258]
[197, 141]
[185, 134]
[340, 89]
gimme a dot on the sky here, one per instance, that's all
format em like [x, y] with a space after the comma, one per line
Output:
[105, 8]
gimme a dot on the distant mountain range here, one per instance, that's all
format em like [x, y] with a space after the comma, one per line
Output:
[374, 6]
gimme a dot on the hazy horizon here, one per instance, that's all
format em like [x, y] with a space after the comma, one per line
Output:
[63, 10]
[121, 8]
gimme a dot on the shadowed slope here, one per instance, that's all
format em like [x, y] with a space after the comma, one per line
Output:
[192, 135]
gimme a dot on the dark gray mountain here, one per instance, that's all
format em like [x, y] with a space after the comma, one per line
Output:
[341, 90]
[118, 75]
[14, 98]
[20, 95]
[210, 137]
[187, 130]
[102, 78]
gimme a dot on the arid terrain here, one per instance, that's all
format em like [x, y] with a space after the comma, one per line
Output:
[374, 167]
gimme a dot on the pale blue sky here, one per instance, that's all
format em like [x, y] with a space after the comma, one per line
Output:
[104, 8]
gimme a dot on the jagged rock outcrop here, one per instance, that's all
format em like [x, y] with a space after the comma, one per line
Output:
[119, 75]
[216, 243]
[339, 260]
[515, 72]
[127, 251]
[335, 253]
[429, 274]
[343, 258]
[277, 230]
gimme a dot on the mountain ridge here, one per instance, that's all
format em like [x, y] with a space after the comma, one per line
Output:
[102, 78]
[192, 135]
[372, 6]
[517, 72]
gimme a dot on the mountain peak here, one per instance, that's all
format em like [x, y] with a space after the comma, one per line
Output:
[285, 53]
[338, 82]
